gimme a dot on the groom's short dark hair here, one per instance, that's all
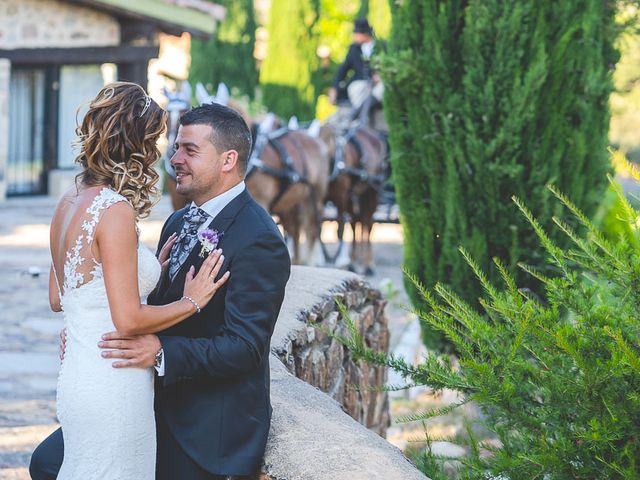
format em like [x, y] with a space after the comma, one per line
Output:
[230, 131]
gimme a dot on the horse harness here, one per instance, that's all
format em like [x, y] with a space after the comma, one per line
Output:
[340, 167]
[287, 174]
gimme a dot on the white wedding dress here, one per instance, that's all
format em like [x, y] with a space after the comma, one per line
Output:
[106, 413]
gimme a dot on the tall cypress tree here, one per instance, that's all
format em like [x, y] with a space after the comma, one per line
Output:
[486, 99]
[364, 8]
[285, 76]
[292, 76]
[228, 55]
[379, 16]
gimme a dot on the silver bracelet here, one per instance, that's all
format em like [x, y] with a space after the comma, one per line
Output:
[195, 304]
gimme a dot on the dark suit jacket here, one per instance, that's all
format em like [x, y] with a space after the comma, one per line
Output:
[354, 62]
[214, 396]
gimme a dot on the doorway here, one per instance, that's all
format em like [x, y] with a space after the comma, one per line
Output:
[26, 163]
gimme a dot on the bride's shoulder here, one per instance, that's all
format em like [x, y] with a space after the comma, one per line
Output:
[109, 205]
[115, 223]
[68, 199]
[91, 199]
[105, 197]
[93, 205]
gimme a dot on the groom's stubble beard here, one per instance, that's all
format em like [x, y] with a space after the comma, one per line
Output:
[200, 188]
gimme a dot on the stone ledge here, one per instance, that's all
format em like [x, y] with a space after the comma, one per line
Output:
[312, 438]
[313, 355]
[307, 288]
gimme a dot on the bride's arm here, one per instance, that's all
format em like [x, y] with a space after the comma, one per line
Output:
[116, 248]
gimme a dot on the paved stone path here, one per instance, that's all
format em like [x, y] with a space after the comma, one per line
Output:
[29, 330]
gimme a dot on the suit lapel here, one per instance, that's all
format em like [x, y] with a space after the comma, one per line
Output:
[176, 227]
[221, 223]
[225, 218]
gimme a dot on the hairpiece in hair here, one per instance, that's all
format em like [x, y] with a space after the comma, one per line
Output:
[147, 102]
[109, 92]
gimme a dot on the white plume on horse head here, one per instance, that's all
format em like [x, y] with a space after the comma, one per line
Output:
[183, 93]
[222, 94]
[185, 90]
[170, 94]
[314, 128]
[293, 123]
[267, 124]
[221, 97]
[179, 100]
[202, 95]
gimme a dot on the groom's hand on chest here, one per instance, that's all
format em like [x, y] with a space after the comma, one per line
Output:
[130, 352]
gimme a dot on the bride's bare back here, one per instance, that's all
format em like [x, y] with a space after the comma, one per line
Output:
[94, 236]
[74, 253]
[104, 415]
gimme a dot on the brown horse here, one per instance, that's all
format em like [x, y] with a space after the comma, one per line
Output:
[358, 173]
[288, 175]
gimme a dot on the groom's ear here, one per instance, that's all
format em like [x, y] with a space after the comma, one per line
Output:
[229, 160]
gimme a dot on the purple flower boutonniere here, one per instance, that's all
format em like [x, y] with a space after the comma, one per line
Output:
[209, 240]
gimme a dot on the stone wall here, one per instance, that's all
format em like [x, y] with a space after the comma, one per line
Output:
[312, 438]
[322, 361]
[54, 24]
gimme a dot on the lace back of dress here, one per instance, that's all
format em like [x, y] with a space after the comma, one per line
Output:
[80, 265]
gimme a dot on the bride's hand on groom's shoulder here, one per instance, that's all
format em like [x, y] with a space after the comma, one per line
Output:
[201, 286]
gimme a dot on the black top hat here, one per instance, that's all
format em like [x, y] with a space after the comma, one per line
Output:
[361, 25]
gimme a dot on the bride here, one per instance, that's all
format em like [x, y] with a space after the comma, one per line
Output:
[100, 272]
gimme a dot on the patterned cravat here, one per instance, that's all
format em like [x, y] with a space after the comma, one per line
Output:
[187, 239]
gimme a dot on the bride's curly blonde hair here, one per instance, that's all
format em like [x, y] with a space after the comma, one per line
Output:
[118, 143]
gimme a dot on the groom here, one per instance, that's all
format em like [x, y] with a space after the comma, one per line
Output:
[212, 401]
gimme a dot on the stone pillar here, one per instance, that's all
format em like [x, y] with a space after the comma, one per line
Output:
[5, 73]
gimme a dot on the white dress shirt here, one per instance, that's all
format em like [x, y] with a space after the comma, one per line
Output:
[367, 48]
[213, 207]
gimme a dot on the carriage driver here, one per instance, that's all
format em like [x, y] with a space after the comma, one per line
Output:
[364, 85]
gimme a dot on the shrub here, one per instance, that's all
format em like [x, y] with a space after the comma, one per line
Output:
[557, 377]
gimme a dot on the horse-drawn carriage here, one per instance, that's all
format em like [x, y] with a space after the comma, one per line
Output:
[306, 175]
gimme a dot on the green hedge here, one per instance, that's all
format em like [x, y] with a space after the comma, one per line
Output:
[556, 376]
[286, 75]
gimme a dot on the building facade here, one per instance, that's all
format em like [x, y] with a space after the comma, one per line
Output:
[54, 56]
